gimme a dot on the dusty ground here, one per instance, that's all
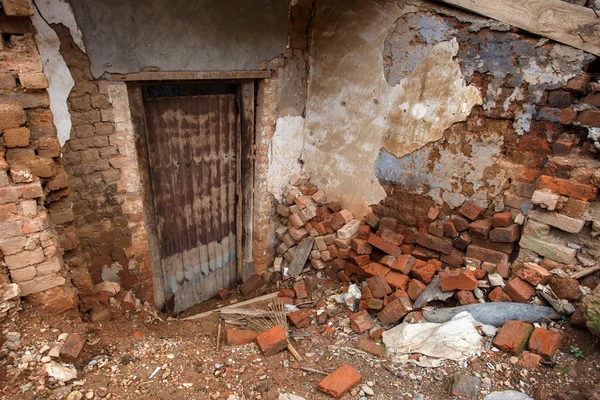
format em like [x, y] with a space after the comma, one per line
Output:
[120, 355]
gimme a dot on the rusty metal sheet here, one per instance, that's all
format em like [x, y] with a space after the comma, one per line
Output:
[193, 163]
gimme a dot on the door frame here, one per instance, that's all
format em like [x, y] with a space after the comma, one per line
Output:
[245, 99]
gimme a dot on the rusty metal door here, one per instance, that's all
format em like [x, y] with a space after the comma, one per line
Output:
[192, 148]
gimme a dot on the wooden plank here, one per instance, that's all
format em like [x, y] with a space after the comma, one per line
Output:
[566, 23]
[585, 272]
[188, 75]
[240, 304]
[246, 100]
[301, 256]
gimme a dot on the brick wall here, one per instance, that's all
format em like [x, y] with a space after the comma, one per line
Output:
[35, 213]
[101, 162]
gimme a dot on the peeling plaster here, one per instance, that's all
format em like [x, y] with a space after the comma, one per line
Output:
[60, 81]
[352, 112]
[60, 12]
[285, 151]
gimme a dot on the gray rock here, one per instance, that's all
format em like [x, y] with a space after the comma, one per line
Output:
[465, 384]
[418, 396]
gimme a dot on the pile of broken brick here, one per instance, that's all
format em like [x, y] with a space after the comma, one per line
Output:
[397, 268]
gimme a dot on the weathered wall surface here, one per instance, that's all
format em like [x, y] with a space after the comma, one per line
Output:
[352, 112]
[36, 216]
[100, 159]
[181, 35]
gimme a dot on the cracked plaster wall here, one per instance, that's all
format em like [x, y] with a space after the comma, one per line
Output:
[352, 112]
[513, 74]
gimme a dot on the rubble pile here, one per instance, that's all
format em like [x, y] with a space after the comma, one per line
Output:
[462, 258]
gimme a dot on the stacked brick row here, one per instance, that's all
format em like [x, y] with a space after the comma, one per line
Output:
[32, 179]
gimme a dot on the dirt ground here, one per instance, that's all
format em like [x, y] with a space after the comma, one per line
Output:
[120, 356]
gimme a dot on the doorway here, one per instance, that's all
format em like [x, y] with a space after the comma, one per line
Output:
[194, 145]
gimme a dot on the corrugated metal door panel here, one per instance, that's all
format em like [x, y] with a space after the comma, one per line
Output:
[193, 163]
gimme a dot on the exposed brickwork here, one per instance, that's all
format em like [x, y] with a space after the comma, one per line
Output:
[35, 215]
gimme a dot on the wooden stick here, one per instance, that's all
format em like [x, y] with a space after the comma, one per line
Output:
[292, 350]
[219, 336]
[315, 371]
[585, 272]
[240, 304]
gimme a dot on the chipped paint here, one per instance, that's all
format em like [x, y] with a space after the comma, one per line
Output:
[351, 110]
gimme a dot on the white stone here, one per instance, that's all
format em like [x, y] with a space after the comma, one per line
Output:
[489, 330]
[63, 336]
[60, 372]
[496, 280]
[349, 230]
[545, 199]
[112, 288]
[54, 352]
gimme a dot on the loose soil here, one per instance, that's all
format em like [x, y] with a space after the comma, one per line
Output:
[120, 355]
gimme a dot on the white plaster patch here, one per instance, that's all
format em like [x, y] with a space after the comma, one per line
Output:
[350, 102]
[60, 81]
[60, 12]
[285, 151]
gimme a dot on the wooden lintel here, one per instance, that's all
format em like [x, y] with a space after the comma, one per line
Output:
[574, 25]
[188, 75]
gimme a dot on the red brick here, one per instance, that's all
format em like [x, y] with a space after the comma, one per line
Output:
[455, 259]
[374, 268]
[361, 322]
[300, 318]
[300, 289]
[578, 83]
[512, 337]
[465, 297]
[589, 118]
[376, 333]
[404, 263]
[575, 208]
[470, 210]
[509, 234]
[506, 248]
[384, 245]
[432, 214]
[366, 293]
[397, 280]
[340, 381]
[457, 279]
[72, 347]
[568, 188]
[544, 342]
[460, 223]
[502, 219]
[425, 271]
[560, 99]
[480, 228]
[498, 295]
[491, 256]
[372, 220]
[272, 341]
[436, 228]
[363, 232]
[438, 244]
[561, 148]
[239, 337]
[287, 293]
[371, 347]
[390, 223]
[533, 274]
[463, 240]
[415, 288]
[450, 230]
[504, 270]
[529, 360]
[519, 290]
[424, 254]
[374, 304]
[358, 259]
[361, 246]
[394, 311]
[379, 287]
[565, 287]
[393, 237]
[223, 294]
[254, 283]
